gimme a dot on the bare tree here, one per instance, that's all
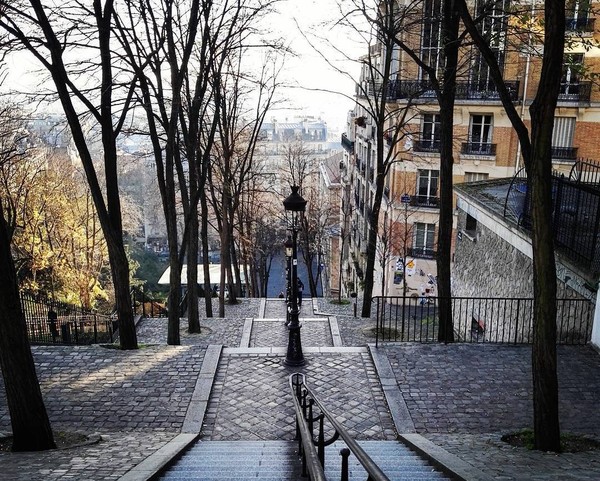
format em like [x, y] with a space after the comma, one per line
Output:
[234, 166]
[536, 152]
[53, 35]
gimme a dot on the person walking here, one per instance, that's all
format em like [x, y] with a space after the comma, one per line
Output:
[300, 289]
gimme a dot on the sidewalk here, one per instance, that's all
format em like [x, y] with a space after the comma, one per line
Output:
[460, 397]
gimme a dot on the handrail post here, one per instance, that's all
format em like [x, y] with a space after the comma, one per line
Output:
[310, 420]
[321, 444]
[344, 453]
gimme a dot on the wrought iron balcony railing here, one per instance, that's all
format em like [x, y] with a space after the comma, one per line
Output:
[421, 252]
[478, 148]
[424, 201]
[575, 91]
[465, 90]
[564, 153]
[347, 143]
[426, 146]
[579, 25]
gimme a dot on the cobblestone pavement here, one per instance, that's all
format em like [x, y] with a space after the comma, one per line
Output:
[135, 400]
[245, 307]
[227, 332]
[316, 333]
[108, 460]
[461, 397]
[251, 399]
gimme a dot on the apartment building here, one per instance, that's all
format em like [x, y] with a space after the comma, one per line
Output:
[485, 145]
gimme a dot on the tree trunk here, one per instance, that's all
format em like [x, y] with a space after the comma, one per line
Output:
[542, 110]
[192, 276]
[450, 44]
[29, 419]
[372, 248]
[120, 273]
[205, 253]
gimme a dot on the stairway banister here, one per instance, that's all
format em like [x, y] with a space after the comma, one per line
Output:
[313, 465]
[375, 473]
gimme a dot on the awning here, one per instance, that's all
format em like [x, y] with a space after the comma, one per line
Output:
[214, 269]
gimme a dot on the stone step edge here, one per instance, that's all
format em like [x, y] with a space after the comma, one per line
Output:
[157, 461]
[282, 351]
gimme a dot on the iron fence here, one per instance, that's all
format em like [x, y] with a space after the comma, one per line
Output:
[482, 320]
[576, 212]
[145, 306]
[51, 322]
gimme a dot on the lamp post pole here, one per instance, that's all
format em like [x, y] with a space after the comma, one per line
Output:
[289, 252]
[294, 205]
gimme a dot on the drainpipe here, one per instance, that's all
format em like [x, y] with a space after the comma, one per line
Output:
[525, 85]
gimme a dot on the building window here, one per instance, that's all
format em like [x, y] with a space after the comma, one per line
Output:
[577, 14]
[427, 187]
[471, 227]
[431, 53]
[430, 134]
[476, 176]
[424, 240]
[562, 138]
[493, 28]
[480, 136]
[571, 76]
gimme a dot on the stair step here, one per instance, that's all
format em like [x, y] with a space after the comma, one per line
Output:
[279, 461]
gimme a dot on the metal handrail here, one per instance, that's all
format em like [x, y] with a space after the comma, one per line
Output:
[310, 455]
[375, 473]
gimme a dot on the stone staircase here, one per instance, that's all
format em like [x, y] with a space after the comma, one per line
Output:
[279, 461]
[249, 425]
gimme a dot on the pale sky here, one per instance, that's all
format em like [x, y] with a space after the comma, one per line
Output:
[310, 70]
[307, 70]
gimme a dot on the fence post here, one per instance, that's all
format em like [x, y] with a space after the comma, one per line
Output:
[95, 329]
[517, 319]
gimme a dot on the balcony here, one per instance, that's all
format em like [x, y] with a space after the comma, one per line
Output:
[432, 146]
[424, 201]
[575, 92]
[422, 253]
[580, 25]
[347, 144]
[478, 148]
[564, 153]
[423, 89]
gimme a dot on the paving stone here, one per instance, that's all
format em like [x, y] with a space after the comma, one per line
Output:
[461, 397]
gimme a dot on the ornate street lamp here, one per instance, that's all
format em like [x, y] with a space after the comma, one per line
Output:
[294, 206]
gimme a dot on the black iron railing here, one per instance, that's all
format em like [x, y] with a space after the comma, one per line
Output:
[425, 201]
[478, 148]
[482, 320]
[312, 448]
[347, 143]
[576, 214]
[432, 146]
[52, 322]
[575, 91]
[579, 24]
[465, 90]
[421, 252]
[564, 153]
[145, 305]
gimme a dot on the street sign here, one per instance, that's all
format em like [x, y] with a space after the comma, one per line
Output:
[405, 199]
